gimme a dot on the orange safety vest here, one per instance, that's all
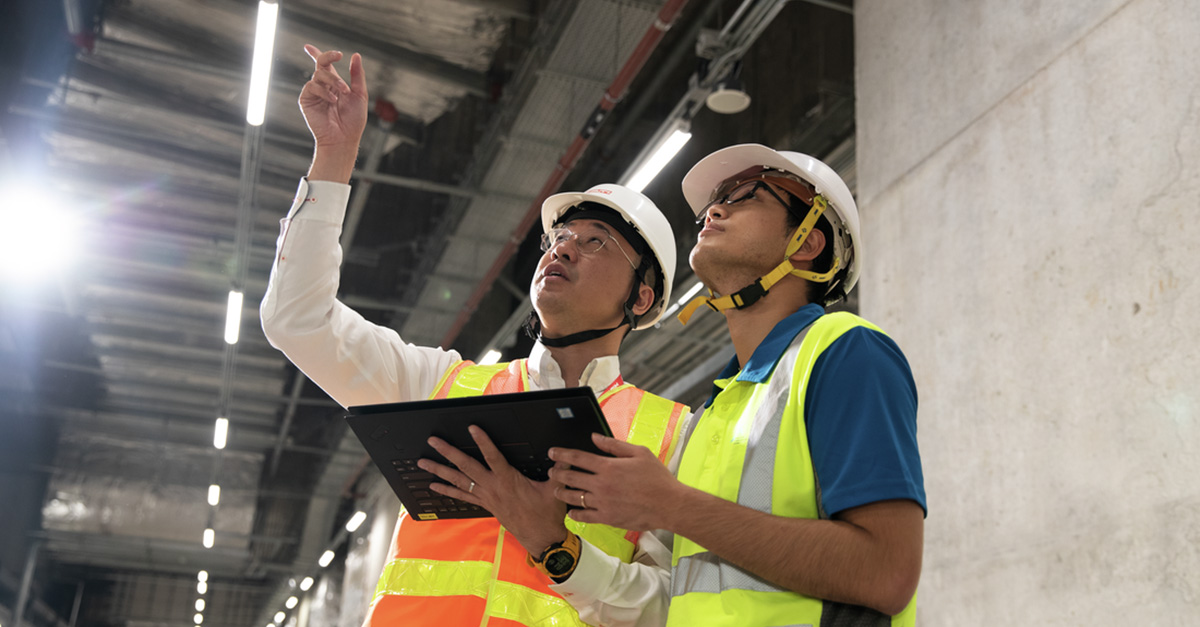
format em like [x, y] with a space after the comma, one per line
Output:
[472, 571]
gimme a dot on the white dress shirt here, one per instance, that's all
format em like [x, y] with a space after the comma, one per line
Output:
[358, 362]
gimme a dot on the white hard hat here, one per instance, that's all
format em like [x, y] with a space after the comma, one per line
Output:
[643, 216]
[711, 171]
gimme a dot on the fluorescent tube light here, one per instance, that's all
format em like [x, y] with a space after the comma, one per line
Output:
[260, 70]
[326, 558]
[201, 587]
[198, 618]
[214, 494]
[233, 317]
[202, 575]
[199, 605]
[306, 584]
[210, 538]
[657, 161]
[355, 521]
[489, 358]
[683, 300]
[279, 616]
[221, 432]
[291, 602]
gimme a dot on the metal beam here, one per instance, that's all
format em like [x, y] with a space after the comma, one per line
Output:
[303, 20]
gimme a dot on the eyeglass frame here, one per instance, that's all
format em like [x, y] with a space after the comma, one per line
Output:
[801, 191]
[548, 243]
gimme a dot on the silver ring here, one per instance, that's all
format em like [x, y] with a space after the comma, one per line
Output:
[471, 489]
[582, 503]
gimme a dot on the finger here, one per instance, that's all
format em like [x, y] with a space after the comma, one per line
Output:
[568, 495]
[453, 492]
[492, 455]
[325, 60]
[443, 472]
[465, 463]
[312, 51]
[316, 90]
[585, 515]
[331, 80]
[358, 77]
[575, 479]
[577, 458]
[616, 447]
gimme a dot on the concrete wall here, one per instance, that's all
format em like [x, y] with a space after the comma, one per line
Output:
[1029, 181]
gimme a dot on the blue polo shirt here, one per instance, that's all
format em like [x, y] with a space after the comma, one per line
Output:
[860, 412]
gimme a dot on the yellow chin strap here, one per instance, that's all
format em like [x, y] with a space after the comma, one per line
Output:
[751, 293]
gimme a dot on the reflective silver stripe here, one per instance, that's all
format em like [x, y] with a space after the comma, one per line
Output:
[758, 469]
[689, 428]
[705, 572]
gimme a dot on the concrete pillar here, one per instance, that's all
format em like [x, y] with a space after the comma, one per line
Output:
[1029, 180]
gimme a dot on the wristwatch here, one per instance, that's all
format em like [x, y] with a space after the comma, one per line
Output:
[559, 559]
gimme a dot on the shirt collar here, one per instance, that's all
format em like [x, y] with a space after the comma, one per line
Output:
[545, 373]
[767, 354]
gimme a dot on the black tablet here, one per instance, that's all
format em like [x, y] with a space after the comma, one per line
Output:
[523, 426]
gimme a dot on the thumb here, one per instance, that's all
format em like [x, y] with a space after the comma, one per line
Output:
[358, 77]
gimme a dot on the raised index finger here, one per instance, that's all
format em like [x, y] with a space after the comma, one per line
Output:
[324, 60]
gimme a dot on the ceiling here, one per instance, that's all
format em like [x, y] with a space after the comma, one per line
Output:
[131, 113]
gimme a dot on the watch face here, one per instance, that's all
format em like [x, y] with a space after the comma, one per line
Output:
[559, 562]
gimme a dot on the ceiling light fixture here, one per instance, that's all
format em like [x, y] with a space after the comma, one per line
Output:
[306, 584]
[489, 358]
[201, 587]
[660, 153]
[682, 300]
[221, 433]
[202, 575]
[210, 538]
[214, 494]
[279, 616]
[729, 96]
[291, 602]
[40, 237]
[233, 317]
[355, 521]
[260, 70]
[326, 558]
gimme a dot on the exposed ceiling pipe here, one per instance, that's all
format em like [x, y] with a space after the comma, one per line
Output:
[503, 337]
[108, 47]
[303, 21]
[666, 17]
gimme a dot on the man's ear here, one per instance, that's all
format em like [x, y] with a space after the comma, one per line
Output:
[811, 248]
[644, 301]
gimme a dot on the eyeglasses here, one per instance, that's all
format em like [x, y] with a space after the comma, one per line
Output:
[745, 184]
[588, 239]
[741, 192]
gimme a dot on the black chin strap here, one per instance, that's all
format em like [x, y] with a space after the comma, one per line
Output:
[533, 326]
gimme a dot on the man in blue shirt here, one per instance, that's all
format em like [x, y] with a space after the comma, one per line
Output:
[799, 497]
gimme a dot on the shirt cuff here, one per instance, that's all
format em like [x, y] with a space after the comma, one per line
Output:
[324, 201]
[594, 568]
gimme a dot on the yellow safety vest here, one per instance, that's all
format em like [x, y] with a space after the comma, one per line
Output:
[768, 419]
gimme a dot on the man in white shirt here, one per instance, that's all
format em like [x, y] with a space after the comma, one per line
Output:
[609, 260]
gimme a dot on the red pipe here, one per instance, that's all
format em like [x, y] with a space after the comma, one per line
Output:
[666, 17]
